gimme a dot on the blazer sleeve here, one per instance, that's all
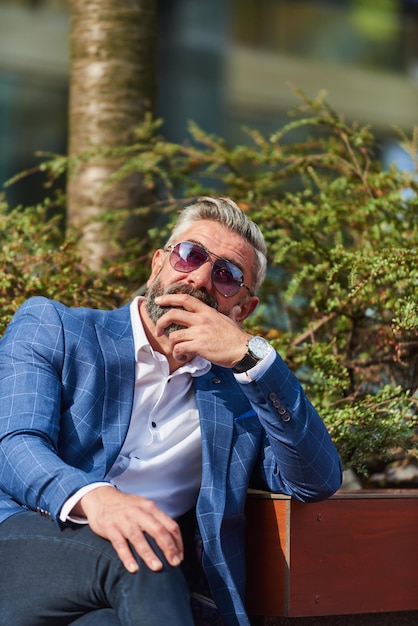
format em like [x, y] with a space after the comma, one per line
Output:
[298, 455]
[31, 363]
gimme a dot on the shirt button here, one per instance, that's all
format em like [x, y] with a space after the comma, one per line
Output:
[153, 424]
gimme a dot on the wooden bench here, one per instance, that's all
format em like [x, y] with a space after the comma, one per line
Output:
[354, 553]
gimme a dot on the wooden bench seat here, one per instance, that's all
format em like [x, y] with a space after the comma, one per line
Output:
[354, 553]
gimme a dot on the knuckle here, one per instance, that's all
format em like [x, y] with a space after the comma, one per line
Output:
[120, 545]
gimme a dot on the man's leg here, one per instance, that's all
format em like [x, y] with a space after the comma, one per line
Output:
[54, 577]
[101, 617]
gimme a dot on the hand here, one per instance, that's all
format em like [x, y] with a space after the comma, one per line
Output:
[123, 518]
[207, 333]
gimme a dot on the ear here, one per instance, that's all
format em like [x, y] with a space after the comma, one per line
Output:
[156, 265]
[246, 308]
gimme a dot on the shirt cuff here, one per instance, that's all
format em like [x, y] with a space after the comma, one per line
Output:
[72, 501]
[259, 368]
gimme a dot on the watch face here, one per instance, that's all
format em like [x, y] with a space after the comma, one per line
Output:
[259, 347]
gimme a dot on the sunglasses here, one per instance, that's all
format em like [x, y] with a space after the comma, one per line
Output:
[227, 278]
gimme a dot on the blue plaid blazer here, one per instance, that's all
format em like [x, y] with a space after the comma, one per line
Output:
[66, 392]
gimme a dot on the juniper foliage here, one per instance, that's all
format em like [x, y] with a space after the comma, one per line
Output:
[340, 301]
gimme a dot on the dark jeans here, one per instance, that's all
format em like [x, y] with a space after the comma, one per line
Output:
[57, 577]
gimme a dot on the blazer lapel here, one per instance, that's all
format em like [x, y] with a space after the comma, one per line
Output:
[216, 423]
[117, 345]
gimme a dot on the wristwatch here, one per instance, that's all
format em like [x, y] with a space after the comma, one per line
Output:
[257, 349]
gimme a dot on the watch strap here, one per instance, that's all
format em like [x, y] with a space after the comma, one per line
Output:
[247, 362]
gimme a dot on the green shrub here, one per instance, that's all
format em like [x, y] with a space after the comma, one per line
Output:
[340, 302]
[37, 259]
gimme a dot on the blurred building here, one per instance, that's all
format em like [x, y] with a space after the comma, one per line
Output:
[223, 64]
[34, 69]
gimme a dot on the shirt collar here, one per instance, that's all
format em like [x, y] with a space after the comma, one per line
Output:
[196, 367]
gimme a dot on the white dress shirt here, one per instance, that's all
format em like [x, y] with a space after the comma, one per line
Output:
[161, 457]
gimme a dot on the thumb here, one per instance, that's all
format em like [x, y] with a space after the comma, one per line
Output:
[235, 314]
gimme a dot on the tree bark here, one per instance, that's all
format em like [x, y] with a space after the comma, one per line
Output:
[112, 87]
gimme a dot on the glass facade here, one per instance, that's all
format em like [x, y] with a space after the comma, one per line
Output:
[222, 63]
[34, 64]
[363, 53]
[362, 33]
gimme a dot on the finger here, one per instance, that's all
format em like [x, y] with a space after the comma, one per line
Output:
[172, 548]
[234, 313]
[168, 537]
[124, 553]
[186, 342]
[135, 516]
[178, 317]
[166, 533]
[181, 300]
[150, 557]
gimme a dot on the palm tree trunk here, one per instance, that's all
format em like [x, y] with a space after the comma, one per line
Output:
[112, 87]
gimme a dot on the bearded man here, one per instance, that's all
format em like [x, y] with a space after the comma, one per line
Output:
[129, 438]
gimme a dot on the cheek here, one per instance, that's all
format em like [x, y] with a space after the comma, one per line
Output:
[225, 308]
[152, 278]
[165, 275]
[156, 267]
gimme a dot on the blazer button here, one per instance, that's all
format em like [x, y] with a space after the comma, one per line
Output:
[272, 396]
[43, 513]
[286, 417]
[216, 381]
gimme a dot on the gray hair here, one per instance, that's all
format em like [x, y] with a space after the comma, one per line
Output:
[227, 213]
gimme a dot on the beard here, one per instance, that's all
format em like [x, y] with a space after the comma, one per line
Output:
[156, 289]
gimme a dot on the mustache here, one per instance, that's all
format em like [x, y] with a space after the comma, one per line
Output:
[199, 294]
[155, 311]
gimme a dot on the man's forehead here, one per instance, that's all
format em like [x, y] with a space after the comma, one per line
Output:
[217, 238]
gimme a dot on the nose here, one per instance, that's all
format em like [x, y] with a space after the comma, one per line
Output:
[201, 277]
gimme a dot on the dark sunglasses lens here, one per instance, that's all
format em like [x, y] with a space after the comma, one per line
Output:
[227, 278]
[187, 257]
